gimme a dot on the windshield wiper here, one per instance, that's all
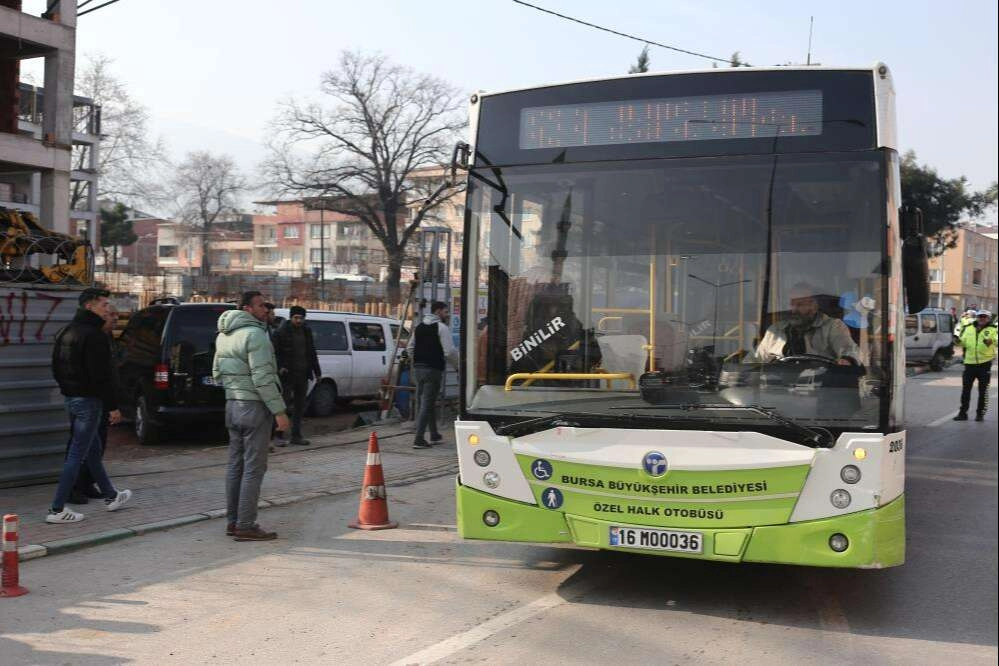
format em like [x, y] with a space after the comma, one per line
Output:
[814, 437]
[526, 427]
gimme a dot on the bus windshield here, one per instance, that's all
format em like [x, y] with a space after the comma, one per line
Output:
[661, 287]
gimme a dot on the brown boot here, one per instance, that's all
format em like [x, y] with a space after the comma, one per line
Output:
[230, 529]
[253, 534]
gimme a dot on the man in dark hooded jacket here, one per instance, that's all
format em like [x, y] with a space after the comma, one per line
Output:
[297, 363]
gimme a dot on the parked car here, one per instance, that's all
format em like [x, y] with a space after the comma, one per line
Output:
[354, 351]
[929, 337]
[164, 359]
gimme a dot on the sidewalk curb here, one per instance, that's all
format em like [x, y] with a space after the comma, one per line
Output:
[35, 551]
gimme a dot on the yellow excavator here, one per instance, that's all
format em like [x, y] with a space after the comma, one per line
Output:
[21, 235]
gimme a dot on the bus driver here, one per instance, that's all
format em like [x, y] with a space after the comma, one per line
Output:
[808, 331]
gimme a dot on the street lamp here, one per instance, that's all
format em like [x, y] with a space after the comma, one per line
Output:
[322, 254]
[321, 205]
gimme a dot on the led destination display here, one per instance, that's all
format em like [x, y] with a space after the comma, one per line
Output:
[743, 116]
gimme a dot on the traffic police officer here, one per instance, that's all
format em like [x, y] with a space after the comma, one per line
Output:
[979, 343]
[967, 319]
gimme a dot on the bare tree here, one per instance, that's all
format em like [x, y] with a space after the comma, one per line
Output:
[129, 160]
[205, 188]
[384, 121]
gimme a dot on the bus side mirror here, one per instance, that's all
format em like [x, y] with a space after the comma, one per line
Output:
[915, 263]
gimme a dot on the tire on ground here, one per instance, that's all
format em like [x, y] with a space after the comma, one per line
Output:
[147, 431]
[323, 400]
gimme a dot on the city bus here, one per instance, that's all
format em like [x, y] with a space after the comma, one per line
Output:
[684, 316]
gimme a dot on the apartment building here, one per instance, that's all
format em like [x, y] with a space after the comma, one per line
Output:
[966, 274]
[450, 214]
[48, 137]
[180, 250]
[177, 249]
[299, 240]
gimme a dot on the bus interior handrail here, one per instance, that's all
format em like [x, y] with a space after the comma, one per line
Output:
[570, 376]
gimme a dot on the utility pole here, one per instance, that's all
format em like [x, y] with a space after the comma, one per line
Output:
[322, 253]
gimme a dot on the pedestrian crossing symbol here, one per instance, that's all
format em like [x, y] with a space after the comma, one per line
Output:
[551, 498]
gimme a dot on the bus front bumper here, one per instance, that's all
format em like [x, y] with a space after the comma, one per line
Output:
[876, 536]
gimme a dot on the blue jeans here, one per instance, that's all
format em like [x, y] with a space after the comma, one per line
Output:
[85, 415]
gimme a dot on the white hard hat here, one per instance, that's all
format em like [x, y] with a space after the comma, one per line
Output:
[984, 313]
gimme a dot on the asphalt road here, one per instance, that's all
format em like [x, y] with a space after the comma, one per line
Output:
[419, 594]
[123, 444]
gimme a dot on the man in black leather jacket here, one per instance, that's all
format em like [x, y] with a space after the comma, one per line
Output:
[297, 363]
[85, 488]
[81, 364]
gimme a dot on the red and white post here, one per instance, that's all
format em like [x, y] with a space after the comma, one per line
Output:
[9, 578]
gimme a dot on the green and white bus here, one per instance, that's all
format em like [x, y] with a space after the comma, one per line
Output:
[683, 317]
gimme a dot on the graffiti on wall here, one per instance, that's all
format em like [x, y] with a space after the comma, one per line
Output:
[18, 327]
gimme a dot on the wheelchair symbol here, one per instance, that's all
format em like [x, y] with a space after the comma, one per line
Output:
[541, 469]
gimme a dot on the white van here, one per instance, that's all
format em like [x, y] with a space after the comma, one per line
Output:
[929, 338]
[354, 351]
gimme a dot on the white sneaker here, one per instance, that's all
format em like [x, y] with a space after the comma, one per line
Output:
[64, 516]
[119, 501]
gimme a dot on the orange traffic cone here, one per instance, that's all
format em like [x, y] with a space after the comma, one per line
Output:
[9, 583]
[373, 512]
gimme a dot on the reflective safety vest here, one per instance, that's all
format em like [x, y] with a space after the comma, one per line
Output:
[962, 324]
[979, 344]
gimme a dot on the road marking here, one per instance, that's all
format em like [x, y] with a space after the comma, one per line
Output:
[459, 642]
[983, 463]
[942, 420]
[433, 526]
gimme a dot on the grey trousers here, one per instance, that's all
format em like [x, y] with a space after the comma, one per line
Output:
[249, 424]
[428, 388]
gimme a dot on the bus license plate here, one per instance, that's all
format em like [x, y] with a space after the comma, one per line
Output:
[633, 537]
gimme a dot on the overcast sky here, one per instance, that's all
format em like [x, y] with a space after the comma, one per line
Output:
[211, 71]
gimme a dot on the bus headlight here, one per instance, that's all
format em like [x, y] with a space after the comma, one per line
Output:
[850, 474]
[840, 498]
[491, 518]
[482, 458]
[492, 480]
[837, 542]
[473, 439]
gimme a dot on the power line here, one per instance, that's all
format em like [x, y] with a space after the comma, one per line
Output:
[623, 34]
[94, 9]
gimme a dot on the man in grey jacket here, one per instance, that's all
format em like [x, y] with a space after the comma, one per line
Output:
[244, 364]
[808, 331]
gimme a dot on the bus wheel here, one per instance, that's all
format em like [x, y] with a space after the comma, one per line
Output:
[324, 399]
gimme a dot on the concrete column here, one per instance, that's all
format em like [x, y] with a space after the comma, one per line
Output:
[57, 120]
[54, 201]
[57, 125]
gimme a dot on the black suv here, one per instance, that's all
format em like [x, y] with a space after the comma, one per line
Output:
[164, 358]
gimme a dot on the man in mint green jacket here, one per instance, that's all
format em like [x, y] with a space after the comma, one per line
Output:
[244, 364]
